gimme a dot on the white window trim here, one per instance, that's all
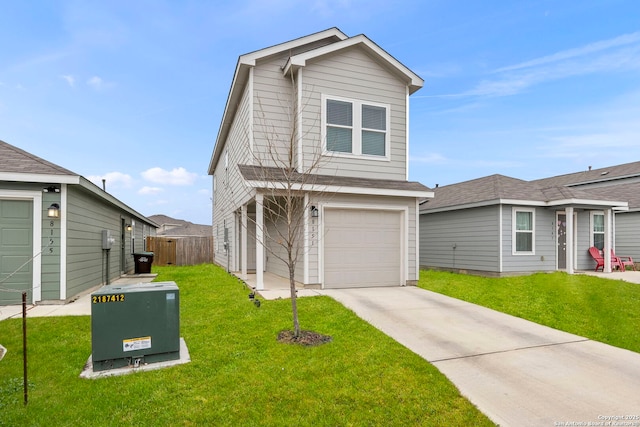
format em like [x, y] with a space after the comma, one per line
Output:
[356, 149]
[513, 231]
[591, 224]
[36, 198]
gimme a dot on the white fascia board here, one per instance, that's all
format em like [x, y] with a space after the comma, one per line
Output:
[485, 203]
[39, 178]
[603, 203]
[270, 185]
[622, 206]
[301, 60]
[251, 58]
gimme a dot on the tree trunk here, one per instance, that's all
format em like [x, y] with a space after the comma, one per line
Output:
[294, 301]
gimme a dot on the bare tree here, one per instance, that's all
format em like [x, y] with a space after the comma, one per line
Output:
[292, 184]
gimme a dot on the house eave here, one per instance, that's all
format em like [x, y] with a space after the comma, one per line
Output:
[245, 63]
[414, 81]
[39, 178]
[615, 205]
[319, 188]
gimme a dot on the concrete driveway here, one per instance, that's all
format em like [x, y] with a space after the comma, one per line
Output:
[516, 372]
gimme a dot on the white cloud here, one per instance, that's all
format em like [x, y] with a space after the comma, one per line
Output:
[176, 176]
[69, 79]
[150, 190]
[605, 56]
[116, 179]
[98, 83]
[591, 48]
[95, 82]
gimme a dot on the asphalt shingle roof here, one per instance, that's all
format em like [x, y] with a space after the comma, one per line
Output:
[593, 175]
[15, 160]
[499, 187]
[263, 173]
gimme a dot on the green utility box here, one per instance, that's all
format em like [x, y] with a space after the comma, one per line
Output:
[135, 324]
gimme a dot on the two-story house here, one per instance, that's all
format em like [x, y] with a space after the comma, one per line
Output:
[327, 116]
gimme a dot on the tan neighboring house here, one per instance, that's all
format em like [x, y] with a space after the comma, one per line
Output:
[350, 100]
[60, 234]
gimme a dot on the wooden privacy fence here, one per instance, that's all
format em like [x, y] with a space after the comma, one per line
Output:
[190, 250]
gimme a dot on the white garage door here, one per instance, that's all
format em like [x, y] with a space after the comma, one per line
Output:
[362, 248]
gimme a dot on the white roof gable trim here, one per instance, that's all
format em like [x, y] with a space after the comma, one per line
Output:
[251, 58]
[296, 61]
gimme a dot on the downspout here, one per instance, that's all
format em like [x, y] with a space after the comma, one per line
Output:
[500, 225]
[251, 117]
[298, 119]
[406, 131]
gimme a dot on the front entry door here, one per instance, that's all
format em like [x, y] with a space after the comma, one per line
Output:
[561, 232]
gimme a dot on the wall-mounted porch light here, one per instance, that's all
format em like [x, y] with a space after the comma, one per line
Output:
[53, 211]
[128, 227]
[314, 212]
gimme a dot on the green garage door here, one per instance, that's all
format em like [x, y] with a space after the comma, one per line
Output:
[16, 248]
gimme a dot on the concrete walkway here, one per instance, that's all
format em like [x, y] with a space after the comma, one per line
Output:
[80, 306]
[517, 372]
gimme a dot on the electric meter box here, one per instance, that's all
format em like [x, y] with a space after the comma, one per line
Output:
[135, 324]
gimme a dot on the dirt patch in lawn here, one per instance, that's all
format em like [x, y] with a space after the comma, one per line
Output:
[306, 338]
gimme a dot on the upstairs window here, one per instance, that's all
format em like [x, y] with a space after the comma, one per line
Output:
[523, 231]
[356, 128]
[339, 126]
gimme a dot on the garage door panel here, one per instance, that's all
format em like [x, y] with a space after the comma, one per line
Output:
[15, 238]
[16, 248]
[362, 248]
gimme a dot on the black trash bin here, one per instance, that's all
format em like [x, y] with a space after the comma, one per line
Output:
[143, 262]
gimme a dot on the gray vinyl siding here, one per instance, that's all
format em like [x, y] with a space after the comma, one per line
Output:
[544, 258]
[87, 263]
[354, 75]
[230, 193]
[51, 250]
[273, 114]
[473, 232]
[277, 253]
[628, 234]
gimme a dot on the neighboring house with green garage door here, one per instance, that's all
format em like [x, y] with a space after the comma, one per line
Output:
[51, 231]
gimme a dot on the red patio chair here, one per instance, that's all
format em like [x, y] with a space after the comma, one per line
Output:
[599, 259]
[626, 261]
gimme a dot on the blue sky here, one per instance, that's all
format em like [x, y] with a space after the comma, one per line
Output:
[134, 91]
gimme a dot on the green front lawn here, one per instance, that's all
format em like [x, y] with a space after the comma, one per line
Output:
[239, 374]
[600, 309]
